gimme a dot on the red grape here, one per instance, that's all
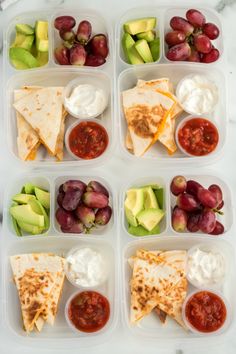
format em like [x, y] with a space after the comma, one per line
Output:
[76, 228]
[193, 187]
[103, 215]
[67, 35]
[195, 17]
[179, 52]
[220, 206]
[71, 199]
[85, 214]
[194, 56]
[187, 202]
[180, 24]
[206, 198]
[178, 185]
[60, 198]
[179, 219]
[95, 186]
[192, 224]
[175, 37]
[202, 43]
[77, 55]
[210, 57]
[207, 221]
[95, 200]
[94, 60]
[61, 54]
[218, 230]
[99, 46]
[72, 184]
[84, 32]
[65, 218]
[64, 22]
[211, 30]
[217, 192]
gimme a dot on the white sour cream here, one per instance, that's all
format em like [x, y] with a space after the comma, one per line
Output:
[206, 268]
[86, 101]
[86, 267]
[197, 94]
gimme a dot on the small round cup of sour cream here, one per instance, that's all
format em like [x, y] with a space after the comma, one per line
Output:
[207, 266]
[85, 98]
[86, 267]
[197, 94]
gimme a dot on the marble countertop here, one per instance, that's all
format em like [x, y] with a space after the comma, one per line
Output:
[121, 341]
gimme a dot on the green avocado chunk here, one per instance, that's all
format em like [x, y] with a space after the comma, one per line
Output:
[150, 200]
[143, 49]
[24, 29]
[155, 48]
[140, 25]
[149, 36]
[23, 198]
[43, 197]
[29, 188]
[41, 34]
[34, 230]
[20, 57]
[39, 209]
[141, 231]
[149, 218]
[23, 41]
[25, 214]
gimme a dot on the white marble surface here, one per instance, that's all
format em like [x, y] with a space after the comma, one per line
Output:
[121, 341]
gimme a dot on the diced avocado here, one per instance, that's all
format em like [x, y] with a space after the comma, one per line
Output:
[29, 188]
[149, 36]
[21, 57]
[159, 193]
[42, 58]
[23, 41]
[141, 231]
[150, 200]
[43, 197]
[25, 214]
[16, 227]
[143, 49]
[140, 25]
[24, 29]
[41, 34]
[39, 209]
[31, 229]
[130, 52]
[23, 198]
[155, 48]
[149, 218]
[133, 204]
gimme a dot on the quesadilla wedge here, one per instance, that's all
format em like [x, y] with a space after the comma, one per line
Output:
[27, 139]
[159, 280]
[39, 279]
[146, 112]
[43, 110]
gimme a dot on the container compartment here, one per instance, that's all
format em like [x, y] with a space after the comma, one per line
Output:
[150, 327]
[60, 331]
[128, 79]
[57, 77]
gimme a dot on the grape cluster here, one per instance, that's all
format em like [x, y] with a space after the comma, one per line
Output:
[78, 48]
[191, 38]
[196, 207]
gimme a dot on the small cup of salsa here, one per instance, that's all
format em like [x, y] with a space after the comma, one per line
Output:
[206, 312]
[87, 311]
[87, 139]
[197, 136]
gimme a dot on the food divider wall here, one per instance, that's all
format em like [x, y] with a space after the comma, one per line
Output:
[116, 75]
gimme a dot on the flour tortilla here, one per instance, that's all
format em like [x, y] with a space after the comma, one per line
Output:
[27, 139]
[146, 112]
[158, 280]
[43, 110]
[36, 276]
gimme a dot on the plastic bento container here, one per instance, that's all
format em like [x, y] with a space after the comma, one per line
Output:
[52, 183]
[164, 179]
[150, 328]
[163, 15]
[60, 335]
[157, 153]
[53, 74]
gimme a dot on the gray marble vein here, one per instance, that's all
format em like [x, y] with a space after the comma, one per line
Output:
[224, 3]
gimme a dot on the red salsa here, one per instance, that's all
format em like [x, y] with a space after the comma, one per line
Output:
[198, 137]
[205, 311]
[89, 311]
[88, 140]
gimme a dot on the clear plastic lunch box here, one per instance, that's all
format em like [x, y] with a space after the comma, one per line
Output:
[128, 75]
[114, 237]
[103, 239]
[53, 74]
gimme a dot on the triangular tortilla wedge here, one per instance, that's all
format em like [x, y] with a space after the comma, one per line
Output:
[35, 276]
[43, 110]
[145, 113]
[27, 139]
[158, 280]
